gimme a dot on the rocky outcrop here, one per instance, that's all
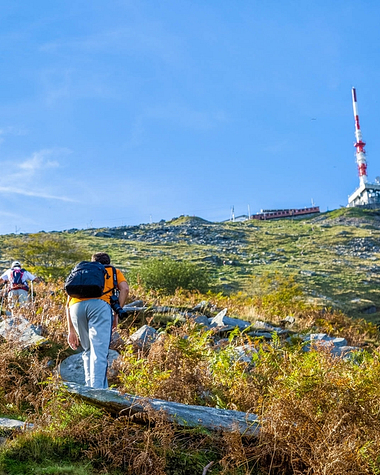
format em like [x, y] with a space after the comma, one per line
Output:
[191, 233]
[364, 248]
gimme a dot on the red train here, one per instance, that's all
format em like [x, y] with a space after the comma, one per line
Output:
[284, 213]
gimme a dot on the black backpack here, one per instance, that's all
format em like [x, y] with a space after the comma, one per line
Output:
[86, 280]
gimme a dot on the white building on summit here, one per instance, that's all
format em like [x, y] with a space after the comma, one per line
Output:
[368, 194]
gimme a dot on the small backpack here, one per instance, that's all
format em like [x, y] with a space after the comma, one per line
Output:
[15, 280]
[86, 280]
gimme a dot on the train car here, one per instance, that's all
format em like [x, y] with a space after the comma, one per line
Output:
[284, 213]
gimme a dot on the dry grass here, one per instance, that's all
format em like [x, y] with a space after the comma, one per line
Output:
[319, 414]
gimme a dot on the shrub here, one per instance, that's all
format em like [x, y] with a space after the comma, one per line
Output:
[167, 275]
[50, 257]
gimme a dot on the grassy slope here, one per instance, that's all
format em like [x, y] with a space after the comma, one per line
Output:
[303, 248]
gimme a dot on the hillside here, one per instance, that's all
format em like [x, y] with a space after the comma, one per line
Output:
[301, 377]
[334, 256]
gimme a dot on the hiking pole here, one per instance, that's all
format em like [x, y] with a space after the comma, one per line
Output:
[2, 301]
[31, 291]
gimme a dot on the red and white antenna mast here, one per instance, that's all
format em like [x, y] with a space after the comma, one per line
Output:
[359, 145]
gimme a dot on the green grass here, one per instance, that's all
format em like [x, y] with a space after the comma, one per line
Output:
[47, 468]
[187, 220]
[353, 213]
[305, 249]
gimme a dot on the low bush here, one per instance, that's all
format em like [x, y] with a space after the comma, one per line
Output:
[166, 275]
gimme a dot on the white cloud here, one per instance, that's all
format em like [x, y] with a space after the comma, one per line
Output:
[10, 130]
[28, 177]
[10, 215]
[40, 160]
[37, 194]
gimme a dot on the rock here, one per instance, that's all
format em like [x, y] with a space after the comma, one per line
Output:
[144, 336]
[245, 353]
[11, 424]
[201, 320]
[344, 352]
[201, 307]
[221, 314]
[116, 341]
[221, 320]
[323, 337]
[309, 273]
[19, 330]
[231, 262]
[102, 234]
[71, 369]
[214, 259]
[260, 325]
[289, 320]
[130, 309]
[339, 342]
[322, 340]
[184, 415]
[136, 303]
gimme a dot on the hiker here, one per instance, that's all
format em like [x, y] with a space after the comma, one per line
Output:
[16, 277]
[91, 322]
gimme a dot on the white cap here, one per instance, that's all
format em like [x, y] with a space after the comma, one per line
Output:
[15, 264]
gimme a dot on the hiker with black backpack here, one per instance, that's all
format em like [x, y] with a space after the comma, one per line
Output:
[17, 279]
[96, 292]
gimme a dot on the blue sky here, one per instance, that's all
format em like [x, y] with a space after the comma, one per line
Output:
[125, 112]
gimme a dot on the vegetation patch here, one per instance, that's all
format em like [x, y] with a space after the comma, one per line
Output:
[168, 275]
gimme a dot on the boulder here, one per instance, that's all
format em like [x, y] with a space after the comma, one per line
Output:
[336, 345]
[20, 331]
[144, 336]
[325, 340]
[71, 369]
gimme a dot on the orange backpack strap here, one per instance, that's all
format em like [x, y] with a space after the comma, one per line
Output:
[114, 276]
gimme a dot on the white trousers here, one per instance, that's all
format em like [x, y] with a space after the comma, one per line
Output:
[92, 320]
[17, 297]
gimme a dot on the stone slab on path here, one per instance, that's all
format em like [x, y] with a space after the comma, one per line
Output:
[71, 368]
[184, 415]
